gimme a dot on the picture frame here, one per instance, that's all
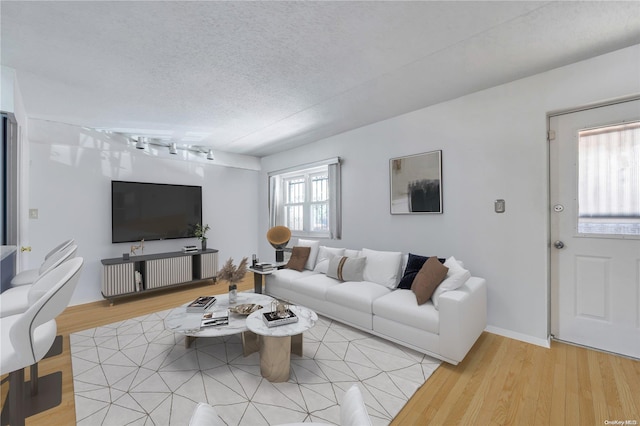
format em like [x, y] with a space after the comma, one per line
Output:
[416, 183]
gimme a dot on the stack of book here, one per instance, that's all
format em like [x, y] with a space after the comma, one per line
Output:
[189, 249]
[210, 319]
[272, 319]
[262, 266]
[201, 304]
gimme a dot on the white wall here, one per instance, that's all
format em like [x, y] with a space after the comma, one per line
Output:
[70, 184]
[494, 146]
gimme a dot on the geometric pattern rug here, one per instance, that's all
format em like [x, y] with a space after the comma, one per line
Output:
[135, 372]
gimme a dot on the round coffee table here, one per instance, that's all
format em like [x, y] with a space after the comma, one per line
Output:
[277, 343]
[187, 323]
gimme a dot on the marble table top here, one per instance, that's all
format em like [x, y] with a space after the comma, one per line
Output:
[306, 319]
[181, 321]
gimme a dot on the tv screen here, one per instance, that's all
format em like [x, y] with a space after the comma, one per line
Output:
[153, 211]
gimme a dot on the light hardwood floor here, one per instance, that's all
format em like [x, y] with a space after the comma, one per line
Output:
[500, 382]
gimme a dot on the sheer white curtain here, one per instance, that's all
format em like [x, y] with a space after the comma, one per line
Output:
[277, 198]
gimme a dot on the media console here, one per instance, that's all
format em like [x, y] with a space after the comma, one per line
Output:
[150, 272]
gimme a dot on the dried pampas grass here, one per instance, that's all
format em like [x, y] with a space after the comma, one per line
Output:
[231, 273]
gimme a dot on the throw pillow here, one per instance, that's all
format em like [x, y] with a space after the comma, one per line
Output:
[346, 268]
[352, 253]
[324, 255]
[313, 255]
[383, 267]
[455, 278]
[299, 256]
[414, 264]
[431, 274]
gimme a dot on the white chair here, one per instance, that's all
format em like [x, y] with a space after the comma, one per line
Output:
[17, 300]
[27, 337]
[63, 245]
[30, 275]
[352, 413]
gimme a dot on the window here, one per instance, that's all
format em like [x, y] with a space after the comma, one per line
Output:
[306, 199]
[609, 180]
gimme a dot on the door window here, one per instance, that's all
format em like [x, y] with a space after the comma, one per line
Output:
[609, 180]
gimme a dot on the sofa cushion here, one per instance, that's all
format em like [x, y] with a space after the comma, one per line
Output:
[313, 254]
[352, 253]
[431, 274]
[285, 277]
[382, 267]
[346, 268]
[401, 306]
[324, 255]
[414, 264]
[315, 285]
[456, 277]
[299, 256]
[356, 295]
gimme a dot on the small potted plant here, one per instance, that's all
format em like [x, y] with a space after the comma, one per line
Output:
[233, 274]
[201, 234]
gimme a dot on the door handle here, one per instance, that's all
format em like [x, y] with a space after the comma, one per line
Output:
[27, 248]
[558, 244]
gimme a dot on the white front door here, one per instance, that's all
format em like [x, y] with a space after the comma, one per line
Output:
[595, 227]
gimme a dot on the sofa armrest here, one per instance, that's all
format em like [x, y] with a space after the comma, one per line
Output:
[463, 317]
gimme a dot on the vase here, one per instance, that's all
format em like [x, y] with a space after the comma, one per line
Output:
[233, 293]
[204, 244]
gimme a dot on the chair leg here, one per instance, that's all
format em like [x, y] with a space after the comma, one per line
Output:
[34, 379]
[16, 402]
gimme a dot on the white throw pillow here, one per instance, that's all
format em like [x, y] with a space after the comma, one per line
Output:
[324, 256]
[353, 412]
[382, 267]
[313, 254]
[346, 268]
[352, 253]
[456, 277]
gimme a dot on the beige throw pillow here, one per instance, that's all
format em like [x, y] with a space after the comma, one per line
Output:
[299, 256]
[346, 268]
[430, 275]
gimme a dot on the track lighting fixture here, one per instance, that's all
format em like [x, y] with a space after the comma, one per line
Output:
[173, 148]
[210, 155]
[140, 143]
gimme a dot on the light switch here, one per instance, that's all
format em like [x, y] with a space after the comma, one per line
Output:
[499, 206]
[33, 213]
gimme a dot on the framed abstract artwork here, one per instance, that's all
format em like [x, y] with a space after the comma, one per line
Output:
[416, 183]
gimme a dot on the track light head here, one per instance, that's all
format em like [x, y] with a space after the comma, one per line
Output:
[140, 142]
[173, 148]
[210, 155]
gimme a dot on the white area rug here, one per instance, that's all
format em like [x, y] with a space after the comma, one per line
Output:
[135, 372]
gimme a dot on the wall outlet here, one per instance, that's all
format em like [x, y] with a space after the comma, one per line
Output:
[33, 213]
[499, 206]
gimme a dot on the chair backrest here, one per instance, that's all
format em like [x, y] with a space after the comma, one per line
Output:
[61, 246]
[45, 308]
[57, 258]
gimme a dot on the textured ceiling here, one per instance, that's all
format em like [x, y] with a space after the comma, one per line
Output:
[260, 77]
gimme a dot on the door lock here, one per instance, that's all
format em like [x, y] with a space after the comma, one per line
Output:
[558, 244]
[558, 208]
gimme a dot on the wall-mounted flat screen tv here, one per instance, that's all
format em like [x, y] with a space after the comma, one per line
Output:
[153, 211]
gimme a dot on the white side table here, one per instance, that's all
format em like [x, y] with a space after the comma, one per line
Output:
[276, 343]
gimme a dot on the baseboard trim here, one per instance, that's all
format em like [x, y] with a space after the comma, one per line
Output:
[545, 343]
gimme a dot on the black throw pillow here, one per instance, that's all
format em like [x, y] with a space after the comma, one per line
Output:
[414, 264]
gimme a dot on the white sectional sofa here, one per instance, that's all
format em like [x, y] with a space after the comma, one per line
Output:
[445, 330]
